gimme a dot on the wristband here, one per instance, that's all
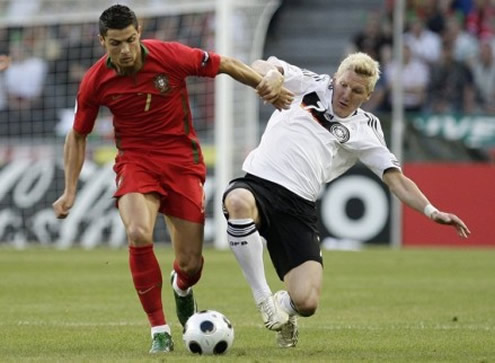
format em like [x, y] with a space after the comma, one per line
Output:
[429, 210]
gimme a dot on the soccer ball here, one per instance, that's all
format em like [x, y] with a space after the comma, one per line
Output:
[208, 332]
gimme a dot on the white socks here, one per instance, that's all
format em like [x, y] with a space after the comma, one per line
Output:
[245, 243]
[177, 289]
[160, 329]
[286, 304]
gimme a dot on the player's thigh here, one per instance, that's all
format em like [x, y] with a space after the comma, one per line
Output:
[187, 240]
[304, 283]
[138, 212]
[185, 197]
[292, 240]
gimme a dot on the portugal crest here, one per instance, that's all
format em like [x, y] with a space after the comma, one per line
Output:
[161, 83]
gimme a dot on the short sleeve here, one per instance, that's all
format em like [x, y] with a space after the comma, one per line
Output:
[374, 152]
[86, 108]
[378, 159]
[193, 61]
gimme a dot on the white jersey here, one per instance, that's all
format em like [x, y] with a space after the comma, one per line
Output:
[307, 146]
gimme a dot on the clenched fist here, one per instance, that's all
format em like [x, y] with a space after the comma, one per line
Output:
[62, 205]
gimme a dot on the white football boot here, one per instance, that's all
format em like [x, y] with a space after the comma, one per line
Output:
[288, 335]
[273, 317]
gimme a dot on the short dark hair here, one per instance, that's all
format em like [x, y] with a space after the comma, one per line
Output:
[117, 17]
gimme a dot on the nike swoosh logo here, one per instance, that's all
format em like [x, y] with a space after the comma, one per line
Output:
[142, 292]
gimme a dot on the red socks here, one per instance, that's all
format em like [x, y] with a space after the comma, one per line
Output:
[147, 278]
[185, 281]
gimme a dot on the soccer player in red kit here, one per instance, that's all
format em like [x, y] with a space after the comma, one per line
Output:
[159, 166]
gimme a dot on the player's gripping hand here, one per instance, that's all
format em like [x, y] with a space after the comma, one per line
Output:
[62, 205]
[451, 220]
[284, 100]
[271, 90]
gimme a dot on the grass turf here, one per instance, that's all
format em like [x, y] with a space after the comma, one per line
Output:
[377, 305]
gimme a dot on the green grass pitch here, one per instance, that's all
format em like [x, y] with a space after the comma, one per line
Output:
[377, 305]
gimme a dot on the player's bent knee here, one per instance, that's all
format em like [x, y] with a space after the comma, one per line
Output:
[189, 269]
[306, 309]
[190, 265]
[239, 203]
[139, 235]
[307, 305]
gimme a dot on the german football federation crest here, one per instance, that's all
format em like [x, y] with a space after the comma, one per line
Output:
[161, 83]
[339, 131]
[311, 103]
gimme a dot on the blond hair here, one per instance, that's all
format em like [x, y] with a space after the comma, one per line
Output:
[362, 64]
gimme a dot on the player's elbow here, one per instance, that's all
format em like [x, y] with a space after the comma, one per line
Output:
[393, 178]
[78, 136]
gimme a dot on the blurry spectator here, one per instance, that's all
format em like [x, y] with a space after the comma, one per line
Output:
[24, 79]
[425, 44]
[42, 42]
[462, 7]
[415, 78]
[167, 28]
[80, 50]
[436, 13]
[191, 29]
[451, 86]
[433, 12]
[465, 45]
[480, 21]
[4, 62]
[484, 77]
[372, 38]
[4, 40]
[378, 100]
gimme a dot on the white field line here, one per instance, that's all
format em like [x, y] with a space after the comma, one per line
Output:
[419, 326]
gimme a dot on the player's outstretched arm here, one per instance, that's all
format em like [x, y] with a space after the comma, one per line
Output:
[269, 87]
[409, 193]
[74, 153]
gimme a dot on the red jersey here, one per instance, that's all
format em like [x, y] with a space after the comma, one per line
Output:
[150, 108]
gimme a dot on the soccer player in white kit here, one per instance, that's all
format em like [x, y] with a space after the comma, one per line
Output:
[317, 139]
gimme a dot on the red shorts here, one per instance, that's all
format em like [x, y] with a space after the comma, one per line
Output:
[179, 184]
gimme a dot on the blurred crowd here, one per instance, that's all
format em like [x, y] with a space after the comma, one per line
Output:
[47, 63]
[448, 66]
[449, 56]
